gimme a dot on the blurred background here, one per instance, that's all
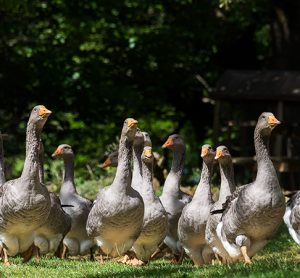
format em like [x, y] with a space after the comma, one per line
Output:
[204, 69]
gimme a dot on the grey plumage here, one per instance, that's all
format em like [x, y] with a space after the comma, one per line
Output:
[76, 240]
[49, 236]
[172, 198]
[155, 217]
[254, 215]
[192, 222]
[25, 203]
[226, 189]
[116, 218]
[292, 216]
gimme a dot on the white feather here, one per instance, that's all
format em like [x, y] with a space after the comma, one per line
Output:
[232, 249]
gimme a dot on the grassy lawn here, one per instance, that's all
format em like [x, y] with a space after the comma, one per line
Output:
[279, 258]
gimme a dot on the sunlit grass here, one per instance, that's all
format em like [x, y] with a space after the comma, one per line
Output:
[280, 258]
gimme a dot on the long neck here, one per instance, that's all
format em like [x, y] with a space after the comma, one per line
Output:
[203, 191]
[2, 165]
[31, 166]
[227, 180]
[41, 165]
[68, 183]
[265, 168]
[172, 182]
[123, 175]
[137, 167]
[147, 191]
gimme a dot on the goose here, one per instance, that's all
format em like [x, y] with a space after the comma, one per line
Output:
[111, 160]
[48, 238]
[292, 216]
[76, 241]
[2, 165]
[252, 215]
[172, 198]
[192, 222]
[116, 219]
[226, 189]
[155, 217]
[25, 202]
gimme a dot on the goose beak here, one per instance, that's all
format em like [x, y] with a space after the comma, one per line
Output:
[44, 112]
[106, 163]
[57, 152]
[272, 121]
[148, 153]
[219, 154]
[204, 152]
[168, 143]
[132, 123]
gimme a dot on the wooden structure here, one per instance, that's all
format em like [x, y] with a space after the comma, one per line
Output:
[240, 97]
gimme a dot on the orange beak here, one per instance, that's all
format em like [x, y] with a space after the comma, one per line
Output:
[44, 112]
[272, 121]
[148, 153]
[132, 122]
[168, 143]
[219, 154]
[57, 152]
[106, 163]
[204, 152]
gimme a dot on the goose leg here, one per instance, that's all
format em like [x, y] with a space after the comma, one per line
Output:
[27, 255]
[64, 252]
[207, 255]
[37, 254]
[245, 255]
[6, 262]
[160, 250]
[92, 258]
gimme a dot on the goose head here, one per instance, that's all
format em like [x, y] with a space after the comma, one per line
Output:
[266, 123]
[63, 150]
[223, 154]
[147, 155]
[147, 139]
[39, 115]
[129, 128]
[138, 138]
[111, 160]
[207, 153]
[175, 141]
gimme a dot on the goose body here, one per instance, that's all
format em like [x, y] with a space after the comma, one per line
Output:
[172, 198]
[292, 216]
[76, 241]
[253, 214]
[48, 238]
[192, 222]
[116, 218]
[25, 203]
[226, 189]
[155, 217]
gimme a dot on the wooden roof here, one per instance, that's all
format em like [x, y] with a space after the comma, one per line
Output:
[258, 85]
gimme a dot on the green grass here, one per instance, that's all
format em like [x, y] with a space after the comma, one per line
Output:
[280, 258]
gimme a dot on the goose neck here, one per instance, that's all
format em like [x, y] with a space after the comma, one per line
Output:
[137, 166]
[2, 165]
[172, 182]
[147, 187]
[31, 170]
[68, 181]
[123, 175]
[227, 180]
[265, 167]
[203, 191]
